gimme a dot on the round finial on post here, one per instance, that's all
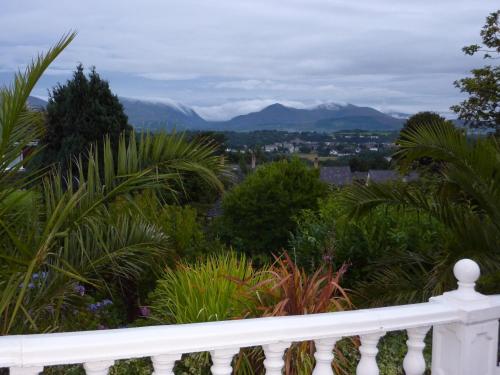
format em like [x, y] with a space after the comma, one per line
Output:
[467, 272]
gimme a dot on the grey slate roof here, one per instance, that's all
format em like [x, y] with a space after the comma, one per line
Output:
[336, 175]
[412, 176]
[381, 175]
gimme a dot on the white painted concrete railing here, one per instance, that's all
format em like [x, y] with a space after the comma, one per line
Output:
[465, 338]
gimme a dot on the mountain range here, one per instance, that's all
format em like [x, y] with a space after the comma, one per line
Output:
[322, 118]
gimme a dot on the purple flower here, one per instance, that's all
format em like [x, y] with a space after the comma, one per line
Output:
[80, 289]
[93, 307]
[106, 302]
[42, 275]
[144, 311]
[31, 285]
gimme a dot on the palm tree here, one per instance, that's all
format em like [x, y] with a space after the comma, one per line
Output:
[82, 226]
[464, 196]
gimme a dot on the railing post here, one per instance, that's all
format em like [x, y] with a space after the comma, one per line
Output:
[468, 347]
[368, 363]
[324, 356]
[222, 359]
[97, 368]
[414, 362]
[274, 362]
[164, 364]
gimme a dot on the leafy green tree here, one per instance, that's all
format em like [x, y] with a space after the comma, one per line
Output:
[258, 213]
[482, 108]
[80, 113]
[422, 119]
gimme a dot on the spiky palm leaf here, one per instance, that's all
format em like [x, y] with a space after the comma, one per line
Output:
[18, 125]
[465, 198]
[69, 228]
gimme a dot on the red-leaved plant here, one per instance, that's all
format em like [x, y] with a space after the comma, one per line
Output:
[287, 289]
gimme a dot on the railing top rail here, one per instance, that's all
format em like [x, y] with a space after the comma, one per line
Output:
[78, 347]
[463, 305]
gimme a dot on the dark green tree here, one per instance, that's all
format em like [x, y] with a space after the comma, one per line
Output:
[482, 107]
[412, 125]
[422, 118]
[259, 213]
[79, 113]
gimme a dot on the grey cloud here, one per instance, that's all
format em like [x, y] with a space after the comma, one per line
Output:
[226, 56]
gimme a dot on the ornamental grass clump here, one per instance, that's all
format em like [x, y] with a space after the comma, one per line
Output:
[211, 289]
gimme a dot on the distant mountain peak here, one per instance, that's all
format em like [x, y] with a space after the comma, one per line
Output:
[326, 117]
[161, 102]
[36, 103]
[330, 106]
[275, 106]
[160, 113]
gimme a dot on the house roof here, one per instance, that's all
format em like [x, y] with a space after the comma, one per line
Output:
[412, 176]
[336, 175]
[382, 175]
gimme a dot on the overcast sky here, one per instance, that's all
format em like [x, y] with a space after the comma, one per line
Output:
[226, 57]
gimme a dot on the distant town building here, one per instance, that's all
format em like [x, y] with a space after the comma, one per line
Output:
[411, 177]
[337, 176]
[271, 148]
[382, 176]
[340, 176]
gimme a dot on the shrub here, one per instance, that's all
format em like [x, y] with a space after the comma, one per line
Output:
[258, 214]
[208, 290]
[329, 235]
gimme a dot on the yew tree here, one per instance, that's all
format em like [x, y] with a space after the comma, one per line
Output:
[79, 113]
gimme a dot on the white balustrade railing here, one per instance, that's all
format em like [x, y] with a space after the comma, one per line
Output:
[465, 338]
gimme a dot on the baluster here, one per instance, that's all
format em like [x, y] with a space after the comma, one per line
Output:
[274, 357]
[164, 364]
[35, 370]
[97, 368]
[222, 361]
[414, 362]
[368, 349]
[324, 356]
